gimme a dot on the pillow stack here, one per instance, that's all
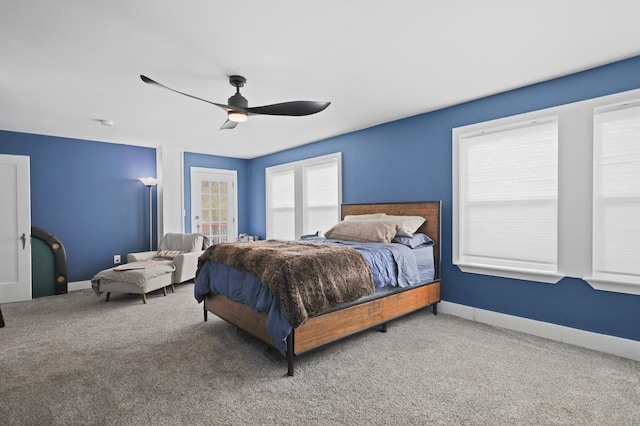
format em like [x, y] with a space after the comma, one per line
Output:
[375, 227]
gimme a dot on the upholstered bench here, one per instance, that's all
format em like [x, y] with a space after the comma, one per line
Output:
[136, 277]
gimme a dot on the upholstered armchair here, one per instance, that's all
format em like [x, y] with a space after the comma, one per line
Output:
[183, 249]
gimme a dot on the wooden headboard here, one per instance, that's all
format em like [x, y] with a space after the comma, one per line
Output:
[430, 210]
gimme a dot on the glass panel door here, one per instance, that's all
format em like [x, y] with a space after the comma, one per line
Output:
[213, 204]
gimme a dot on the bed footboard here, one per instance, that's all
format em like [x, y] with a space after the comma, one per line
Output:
[331, 326]
[326, 328]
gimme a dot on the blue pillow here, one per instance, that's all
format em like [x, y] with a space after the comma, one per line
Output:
[416, 240]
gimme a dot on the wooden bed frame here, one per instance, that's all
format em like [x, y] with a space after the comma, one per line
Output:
[354, 317]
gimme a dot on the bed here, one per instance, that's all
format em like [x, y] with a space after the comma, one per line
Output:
[336, 321]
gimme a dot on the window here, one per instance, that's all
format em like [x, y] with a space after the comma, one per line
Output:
[303, 197]
[507, 197]
[616, 194]
[505, 220]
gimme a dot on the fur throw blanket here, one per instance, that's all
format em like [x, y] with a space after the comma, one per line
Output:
[305, 279]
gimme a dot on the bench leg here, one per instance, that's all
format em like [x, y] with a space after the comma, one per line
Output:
[108, 295]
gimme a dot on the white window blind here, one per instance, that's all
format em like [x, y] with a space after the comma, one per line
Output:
[507, 197]
[281, 190]
[303, 197]
[616, 194]
[320, 207]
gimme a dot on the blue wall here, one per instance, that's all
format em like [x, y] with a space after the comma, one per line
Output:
[89, 196]
[216, 162]
[411, 160]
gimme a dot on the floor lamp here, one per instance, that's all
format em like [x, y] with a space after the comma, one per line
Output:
[150, 182]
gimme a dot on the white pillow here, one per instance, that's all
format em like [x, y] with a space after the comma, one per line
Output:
[406, 226]
[371, 216]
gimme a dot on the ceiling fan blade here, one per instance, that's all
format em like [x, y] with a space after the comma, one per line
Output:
[229, 125]
[294, 108]
[155, 83]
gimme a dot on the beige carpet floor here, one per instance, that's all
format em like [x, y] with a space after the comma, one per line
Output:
[74, 359]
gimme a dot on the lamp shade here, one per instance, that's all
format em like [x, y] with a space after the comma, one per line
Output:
[149, 181]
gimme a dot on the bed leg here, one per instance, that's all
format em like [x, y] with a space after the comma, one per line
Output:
[383, 327]
[290, 354]
[434, 308]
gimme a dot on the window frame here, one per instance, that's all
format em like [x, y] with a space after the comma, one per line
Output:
[475, 265]
[610, 280]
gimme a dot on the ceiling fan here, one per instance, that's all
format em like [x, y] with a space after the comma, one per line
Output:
[237, 106]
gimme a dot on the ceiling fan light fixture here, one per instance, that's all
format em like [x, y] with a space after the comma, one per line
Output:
[238, 117]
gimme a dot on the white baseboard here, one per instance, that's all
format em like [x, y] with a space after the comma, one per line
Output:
[78, 285]
[600, 342]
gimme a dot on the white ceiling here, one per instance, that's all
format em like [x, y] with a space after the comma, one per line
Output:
[65, 65]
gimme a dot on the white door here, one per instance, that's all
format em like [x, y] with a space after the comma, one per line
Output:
[214, 203]
[15, 229]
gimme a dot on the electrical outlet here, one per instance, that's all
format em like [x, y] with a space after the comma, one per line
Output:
[116, 259]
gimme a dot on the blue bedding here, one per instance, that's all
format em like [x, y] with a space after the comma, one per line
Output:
[244, 287]
[392, 265]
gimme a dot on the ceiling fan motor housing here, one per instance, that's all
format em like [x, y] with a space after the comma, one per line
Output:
[238, 100]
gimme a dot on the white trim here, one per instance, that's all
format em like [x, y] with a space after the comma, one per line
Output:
[517, 273]
[170, 195]
[78, 285]
[619, 346]
[617, 286]
[319, 159]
